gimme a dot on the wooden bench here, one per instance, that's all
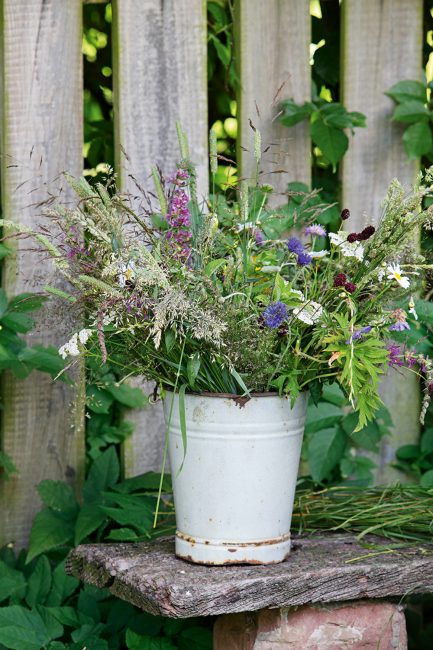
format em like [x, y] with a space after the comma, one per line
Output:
[317, 599]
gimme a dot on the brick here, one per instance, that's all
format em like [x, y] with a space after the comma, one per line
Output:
[354, 626]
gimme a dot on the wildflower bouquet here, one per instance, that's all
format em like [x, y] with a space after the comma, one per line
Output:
[236, 295]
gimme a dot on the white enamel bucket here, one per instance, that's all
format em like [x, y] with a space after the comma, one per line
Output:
[234, 494]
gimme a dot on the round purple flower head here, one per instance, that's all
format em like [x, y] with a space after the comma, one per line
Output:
[295, 245]
[399, 326]
[304, 259]
[315, 230]
[275, 314]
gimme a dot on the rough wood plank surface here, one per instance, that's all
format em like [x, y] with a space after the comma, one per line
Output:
[382, 44]
[320, 569]
[272, 56]
[41, 136]
[160, 77]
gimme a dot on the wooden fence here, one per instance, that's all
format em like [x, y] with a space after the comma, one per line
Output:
[160, 77]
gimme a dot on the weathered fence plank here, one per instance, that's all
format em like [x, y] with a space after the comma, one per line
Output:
[272, 55]
[382, 44]
[41, 136]
[160, 77]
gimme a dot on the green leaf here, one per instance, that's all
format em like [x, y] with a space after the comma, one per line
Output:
[325, 451]
[417, 140]
[404, 91]
[44, 359]
[12, 582]
[49, 530]
[26, 302]
[193, 367]
[129, 396]
[39, 583]
[147, 481]
[294, 113]
[427, 441]
[64, 615]
[3, 302]
[62, 586]
[4, 251]
[103, 474]
[332, 141]
[59, 496]
[324, 416]
[98, 400]
[408, 452]
[426, 480]
[411, 111]
[21, 629]
[17, 322]
[182, 419]
[136, 641]
[198, 638]
[7, 465]
[89, 519]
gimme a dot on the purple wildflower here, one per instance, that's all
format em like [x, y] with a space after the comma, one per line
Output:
[358, 333]
[275, 314]
[304, 259]
[315, 230]
[180, 177]
[179, 218]
[399, 326]
[259, 236]
[395, 355]
[295, 245]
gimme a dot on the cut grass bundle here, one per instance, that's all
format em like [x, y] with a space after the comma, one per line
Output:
[399, 513]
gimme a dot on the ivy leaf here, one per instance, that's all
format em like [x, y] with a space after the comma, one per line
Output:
[407, 90]
[417, 140]
[325, 451]
[332, 141]
[411, 111]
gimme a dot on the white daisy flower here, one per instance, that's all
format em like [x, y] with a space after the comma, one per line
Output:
[348, 249]
[309, 312]
[395, 273]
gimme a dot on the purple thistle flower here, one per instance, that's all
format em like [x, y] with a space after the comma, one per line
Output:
[275, 314]
[315, 230]
[399, 326]
[304, 259]
[295, 245]
[358, 333]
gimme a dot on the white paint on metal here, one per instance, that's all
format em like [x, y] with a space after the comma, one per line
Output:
[234, 494]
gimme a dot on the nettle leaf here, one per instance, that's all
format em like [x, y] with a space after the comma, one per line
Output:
[49, 530]
[26, 302]
[294, 113]
[332, 141]
[12, 582]
[130, 396]
[39, 582]
[59, 496]
[417, 140]
[325, 451]
[62, 586]
[22, 629]
[411, 111]
[98, 399]
[136, 641]
[103, 474]
[405, 91]
[89, 519]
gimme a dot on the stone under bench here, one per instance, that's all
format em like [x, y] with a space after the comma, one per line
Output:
[331, 593]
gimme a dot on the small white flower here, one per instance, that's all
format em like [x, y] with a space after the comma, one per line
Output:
[318, 253]
[298, 293]
[412, 308]
[127, 272]
[70, 348]
[348, 249]
[309, 312]
[395, 273]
